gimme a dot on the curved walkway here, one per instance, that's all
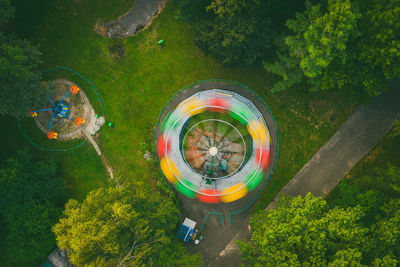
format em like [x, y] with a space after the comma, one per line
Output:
[357, 136]
[136, 19]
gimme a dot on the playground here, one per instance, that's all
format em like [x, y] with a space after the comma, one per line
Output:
[69, 112]
[66, 115]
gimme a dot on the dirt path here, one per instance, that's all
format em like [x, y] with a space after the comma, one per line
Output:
[139, 17]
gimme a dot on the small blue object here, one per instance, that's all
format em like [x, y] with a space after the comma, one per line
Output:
[185, 233]
[62, 110]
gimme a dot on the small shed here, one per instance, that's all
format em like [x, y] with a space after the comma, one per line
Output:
[186, 230]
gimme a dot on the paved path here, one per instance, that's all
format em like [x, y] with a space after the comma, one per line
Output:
[136, 19]
[358, 135]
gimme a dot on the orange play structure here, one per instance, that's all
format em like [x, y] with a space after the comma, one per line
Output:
[79, 121]
[74, 89]
[52, 135]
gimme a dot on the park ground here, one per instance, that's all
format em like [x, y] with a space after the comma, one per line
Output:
[135, 87]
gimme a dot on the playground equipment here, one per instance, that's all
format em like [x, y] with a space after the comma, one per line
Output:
[74, 116]
[60, 111]
[70, 116]
[214, 146]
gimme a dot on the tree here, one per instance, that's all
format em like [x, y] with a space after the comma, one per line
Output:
[350, 45]
[384, 183]
[20, 82]
[378, 48]
[386, 231]
[288, 70]
[369, 201]
[304, 231]
[396, 128]
[381, 207]
[32, 196]
[116, 226]
[193, 11]
[318, 39]
[323, 38]
[239, 33]
[21, 87]
[6, 11]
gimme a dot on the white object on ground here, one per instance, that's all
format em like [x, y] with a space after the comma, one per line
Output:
[189, 223]
[147, 155]
[95, 124]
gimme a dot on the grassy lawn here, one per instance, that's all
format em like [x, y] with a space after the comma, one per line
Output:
[135, 88]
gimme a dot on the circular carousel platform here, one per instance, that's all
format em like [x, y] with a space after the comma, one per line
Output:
[214, 144]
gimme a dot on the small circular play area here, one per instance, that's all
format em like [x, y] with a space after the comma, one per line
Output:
[67, 116]
[216, 141]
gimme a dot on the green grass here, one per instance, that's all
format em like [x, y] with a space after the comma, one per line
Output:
[136, 87]
[81, 169]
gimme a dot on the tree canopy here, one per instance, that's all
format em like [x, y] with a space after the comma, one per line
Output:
[21, 87]
[305, 231]
[6, 11]
[344, 44]
[32, 197]
[341, 44]
[237, 32]
[378, 48]
[128, 225]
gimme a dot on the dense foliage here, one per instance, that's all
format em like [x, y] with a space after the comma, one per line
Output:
[376, 54]
[115, 226]
[318, 40]
[341, 44]
[237, 32]
[305, 231]
[371, 190]
[32, 197]
[396, 128]
[345, 44]
[21, 87]
[6, 11]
